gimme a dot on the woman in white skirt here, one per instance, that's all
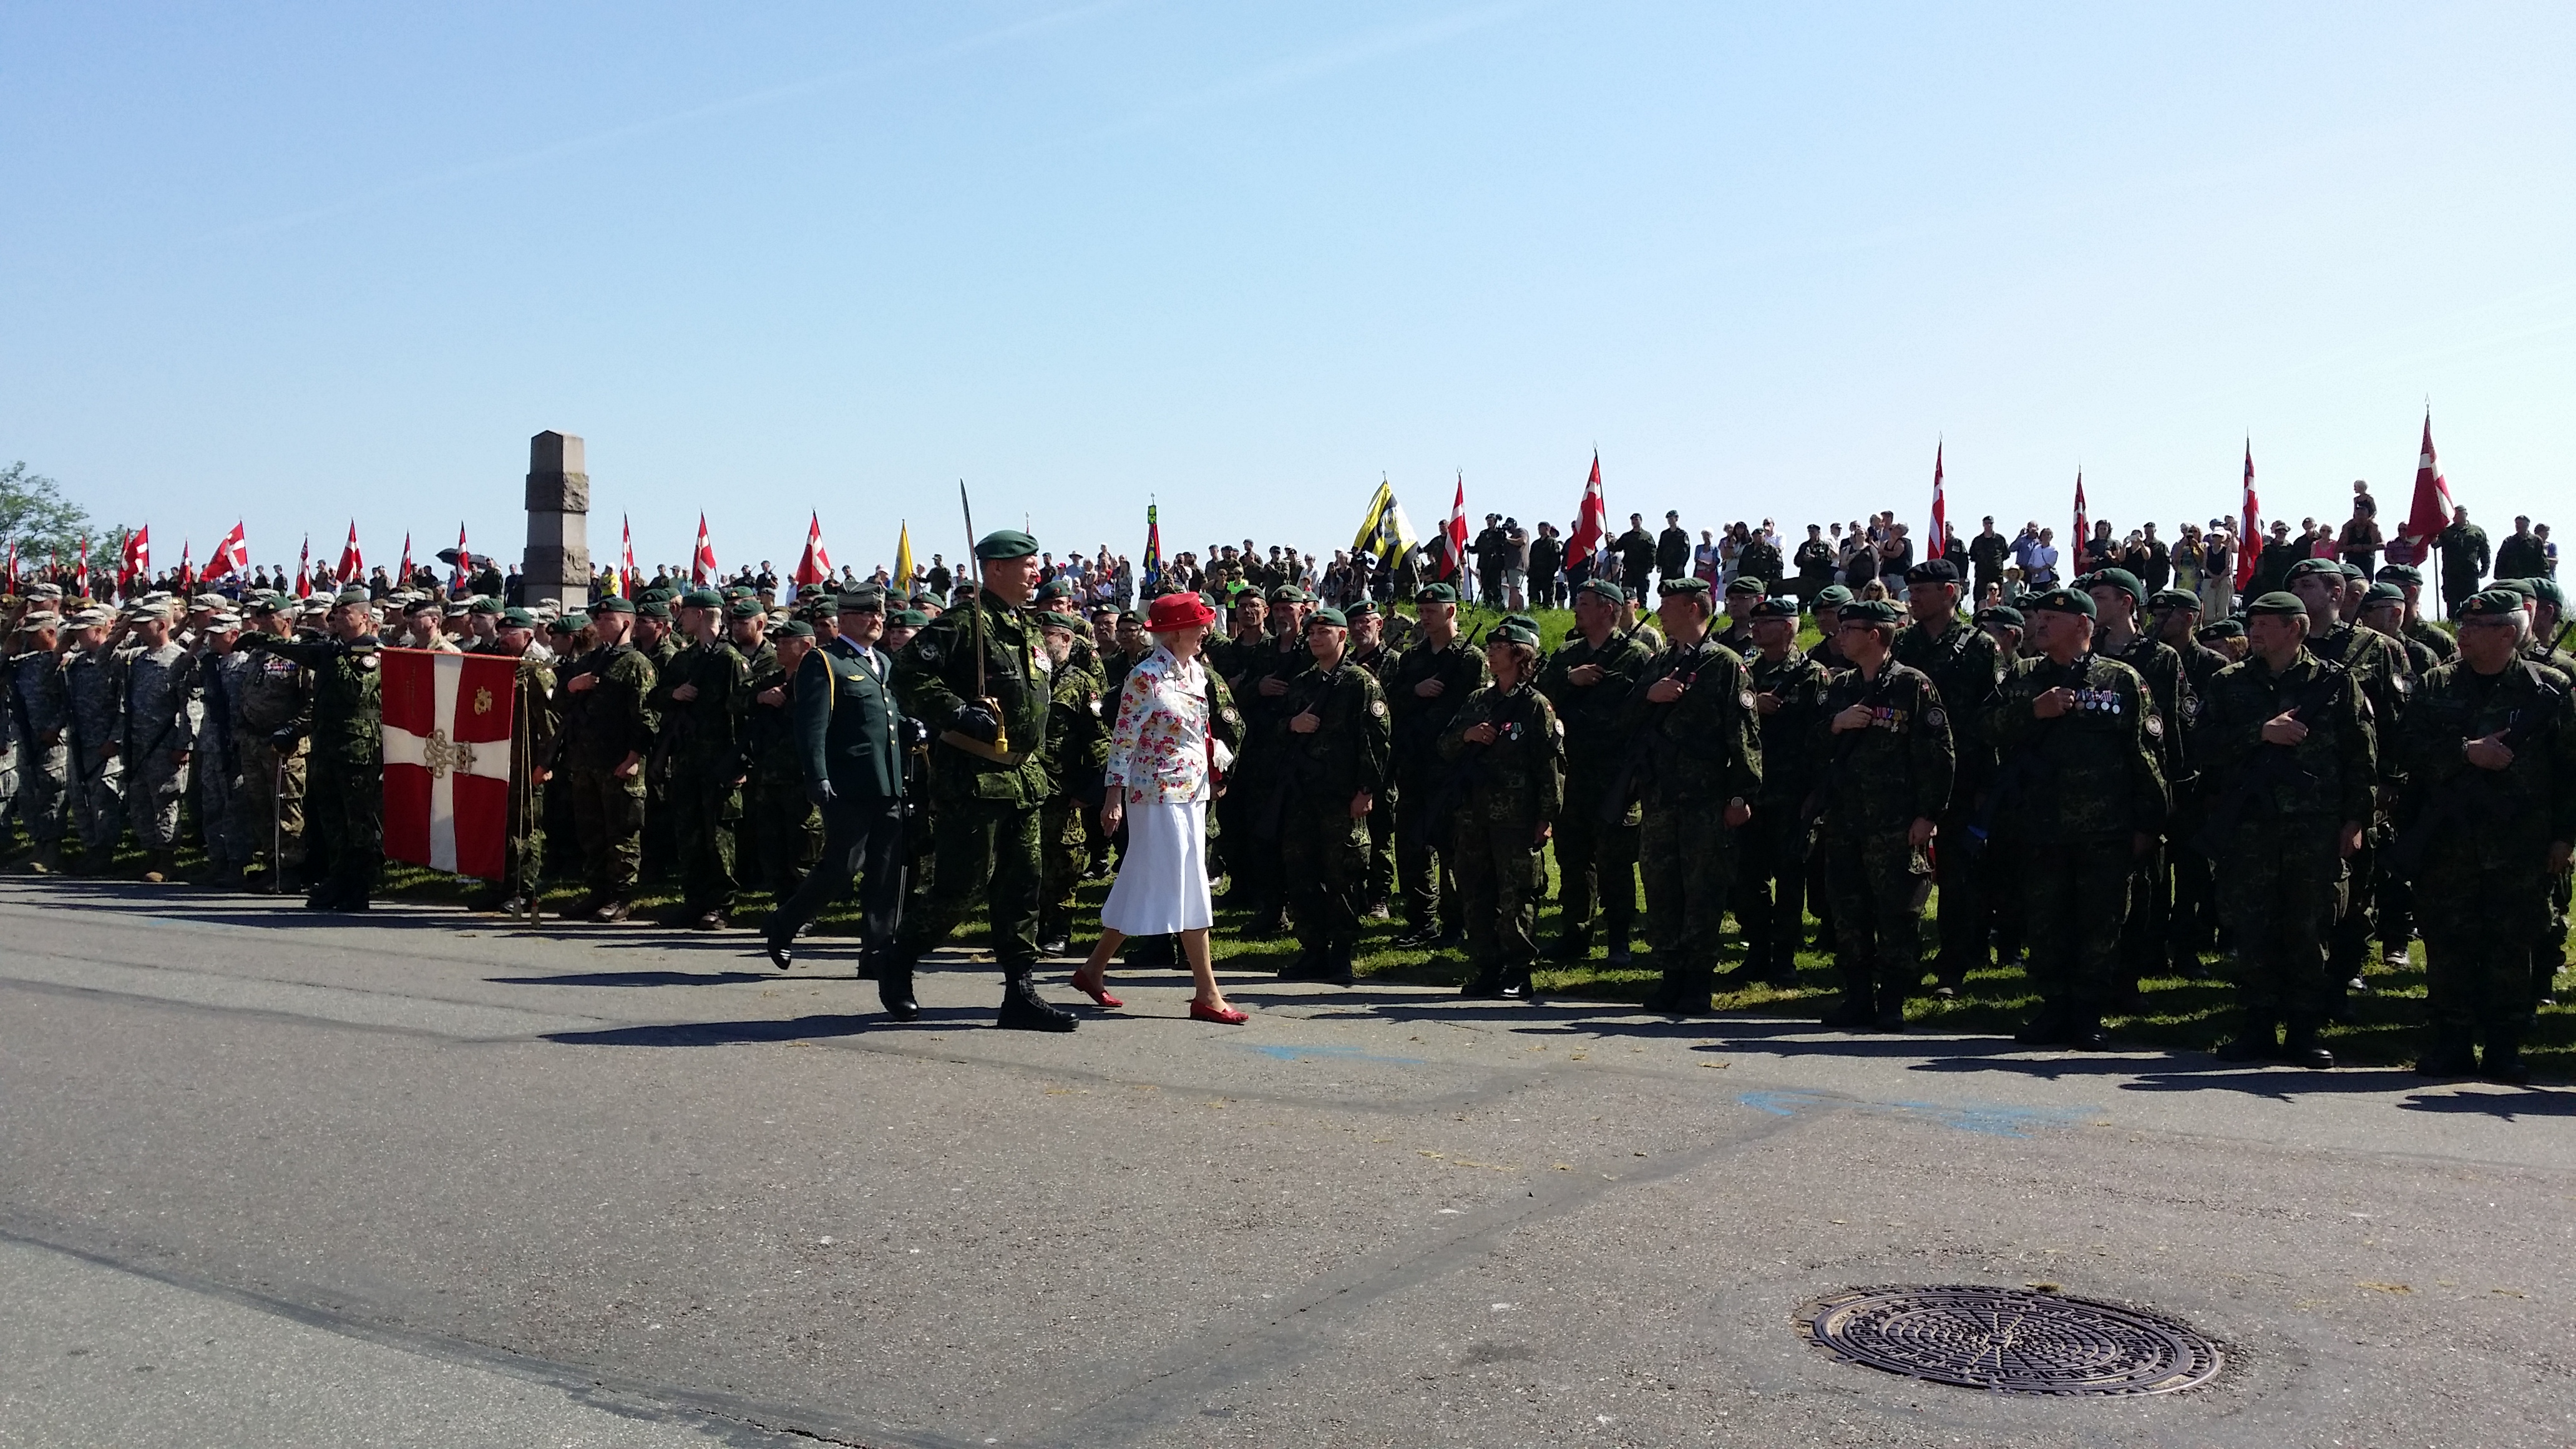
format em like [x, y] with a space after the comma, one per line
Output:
[1163, 764]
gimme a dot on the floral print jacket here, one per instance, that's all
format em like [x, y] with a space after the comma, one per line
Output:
[1163, 749]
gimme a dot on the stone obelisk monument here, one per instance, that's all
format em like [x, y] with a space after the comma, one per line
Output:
[557, 567]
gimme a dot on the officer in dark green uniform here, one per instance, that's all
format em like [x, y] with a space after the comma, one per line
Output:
[704, 697]
[1077, 748]
[1431, 680]
[344, 798]
[2119, 599]
[2547, 607]
[1771, 887]
[1330, 738]
[1699, 770]
[787, 829]
[2078, 801]
[2490, 747]
[1959, 658]
[972, 677]
[1587, 681]
[1506, 784]
[2191, 926]
[1884, 775]
[2292, 774]
[607, 739]
[2378, 666]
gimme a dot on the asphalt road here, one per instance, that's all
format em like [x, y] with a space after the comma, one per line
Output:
[273, 1179]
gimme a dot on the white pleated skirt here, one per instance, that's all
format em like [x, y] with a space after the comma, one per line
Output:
[1162, 884]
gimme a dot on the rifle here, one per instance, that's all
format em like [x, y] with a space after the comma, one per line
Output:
[2269, 765]
[2471, 795]
[2026, 766]
[999, 750]
[1614, 805]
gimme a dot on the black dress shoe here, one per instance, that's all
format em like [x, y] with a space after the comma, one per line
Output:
[782, 954]
[1620, 955]
[1024, 1010]
[2452, 1057]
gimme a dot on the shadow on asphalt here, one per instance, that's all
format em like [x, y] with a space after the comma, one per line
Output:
[2511, 1104]
[637, 978]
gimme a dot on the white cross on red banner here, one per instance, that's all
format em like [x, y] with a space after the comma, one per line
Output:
[447, 759]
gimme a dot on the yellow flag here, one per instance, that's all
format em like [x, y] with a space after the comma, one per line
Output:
[903, 560]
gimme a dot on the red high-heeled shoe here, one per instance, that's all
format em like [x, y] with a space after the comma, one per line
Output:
[1221, 1015]
[1098, 991]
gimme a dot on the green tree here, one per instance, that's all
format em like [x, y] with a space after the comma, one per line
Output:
[34, 511]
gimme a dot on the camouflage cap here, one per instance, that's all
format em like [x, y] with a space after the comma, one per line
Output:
[2278, 602]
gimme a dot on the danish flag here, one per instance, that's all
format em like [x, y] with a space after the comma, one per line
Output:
[816, 566]
[1591, 520]
[1453, 554]
[702, 565]
[1939, 543]
[447, 720]
[304, 570]
[626, 560]
[231, 555]
[136, 563]
[352, 562]
[2249, 527]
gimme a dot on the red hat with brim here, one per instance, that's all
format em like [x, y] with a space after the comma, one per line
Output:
[1177, 611]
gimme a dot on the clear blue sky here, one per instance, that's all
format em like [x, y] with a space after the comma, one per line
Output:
[295, 262]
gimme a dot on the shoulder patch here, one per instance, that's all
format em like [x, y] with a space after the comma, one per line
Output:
[1745, 699]
[1378, 707]
[2155, 725]
[1937, 717]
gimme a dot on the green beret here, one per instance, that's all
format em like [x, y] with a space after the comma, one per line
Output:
[1058, 619]
[2121, 579]
[1522, 620]
[1435, 594]
[2383, 592]
[1743, 584]
[2175, 599]
[1604, 589]
[1513, 631]
[2351, 571]
[1290, 594]
[654, 609]
[482, 604]
[1831, 596]
[2398, 573]
[2545, 589]
[2280, 602]
[2522, 587]
[793, 628]
[2060, 601]
[2493, 604]
[657, 596]
[1330, 616]
[1358, 608]
[1006, 543]
[1777, 607]
[701, 599]
[1933, 571]
[2310, 567]
[1054, 589]
[2221, 629]
[569, 621]
[2001, 614]
[1685, 586]
[745, 609]
[518, 619]
[1867, 611]
[908, 619]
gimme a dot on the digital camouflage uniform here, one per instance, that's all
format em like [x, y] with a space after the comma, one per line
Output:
[217, 766]
[601, 726]
[2143, 948]
[1965, 670]
[2549, 952]
[1077, 748]
[1771, 883]
[1428, 884]
[1596, 839]
[2482, 885]
[1258, 881]
[536, 731]
[2275, 815]
[1695, 754]
[40, 707]
[1873, 784]
[270, 695]
[344, 802]
[160, 732]
[2377, 665]
[1504, 795]
[1323, 850]
[98, 775]
[708, 760]
[2075, 792]
[1380, 894]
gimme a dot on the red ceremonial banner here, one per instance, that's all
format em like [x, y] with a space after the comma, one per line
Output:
[447, 759]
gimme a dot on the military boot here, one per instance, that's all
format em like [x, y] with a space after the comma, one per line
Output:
[2452, 1053]
[1485, 985]
[2048, 1027]
[2504, 1061]
[1574, 945]
[2300, 1047]
[1619, 954]
[1850, 1014]
[894, 984]
[1685, 990]
[1518, 985]
[1891, 1006]
[48, 861]
[1024, 1010]
[161, 867]
[2254, 1041]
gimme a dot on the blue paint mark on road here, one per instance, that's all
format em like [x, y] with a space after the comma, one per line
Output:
[1985, 1119]
[1337, 1053]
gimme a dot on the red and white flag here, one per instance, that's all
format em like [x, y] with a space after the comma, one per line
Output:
[136, 562]
[403, 580]
[231, 555]
[352, 562]
[2083, 533]
[816, 566]
[2249, 525]
[1591, 519]
[187, 571]
[702, 564]
[464, 560]
[626, 558]
[304, 570]
[2431, 512]
[80, 576]
[1939, 543]
[447, 759]
[1453, 534]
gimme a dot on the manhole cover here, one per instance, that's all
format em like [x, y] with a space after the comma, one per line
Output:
[2011, 1341]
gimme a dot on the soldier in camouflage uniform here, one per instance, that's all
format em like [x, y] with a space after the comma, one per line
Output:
[40, 710]
[345, 796]
[2118, 600]
[1960, 660]
[98, 776]
[2546, 606]
[2410, 587]
[1698, 749]
[607, 734]
[1771, 885]
[2079, 801]
[1884, 772]
[2378, 666]
[157, 709]
[532, 757]
[1330, 740]
[1268, 672]
[2191, 926]
[1506, 758]
[988, 770]
[271, 701]
[2293, 780]
[2490, 747]
[787, 827]
[217, 766]
[1587, 681]
[1077, 748]
[1368, 650]
[702, 699]
[659, 642]
[1430, 681]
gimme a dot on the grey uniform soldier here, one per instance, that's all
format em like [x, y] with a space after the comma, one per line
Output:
[98, 776]
[271, 703]
[159, 685]
[216, 768]
[40, 708]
